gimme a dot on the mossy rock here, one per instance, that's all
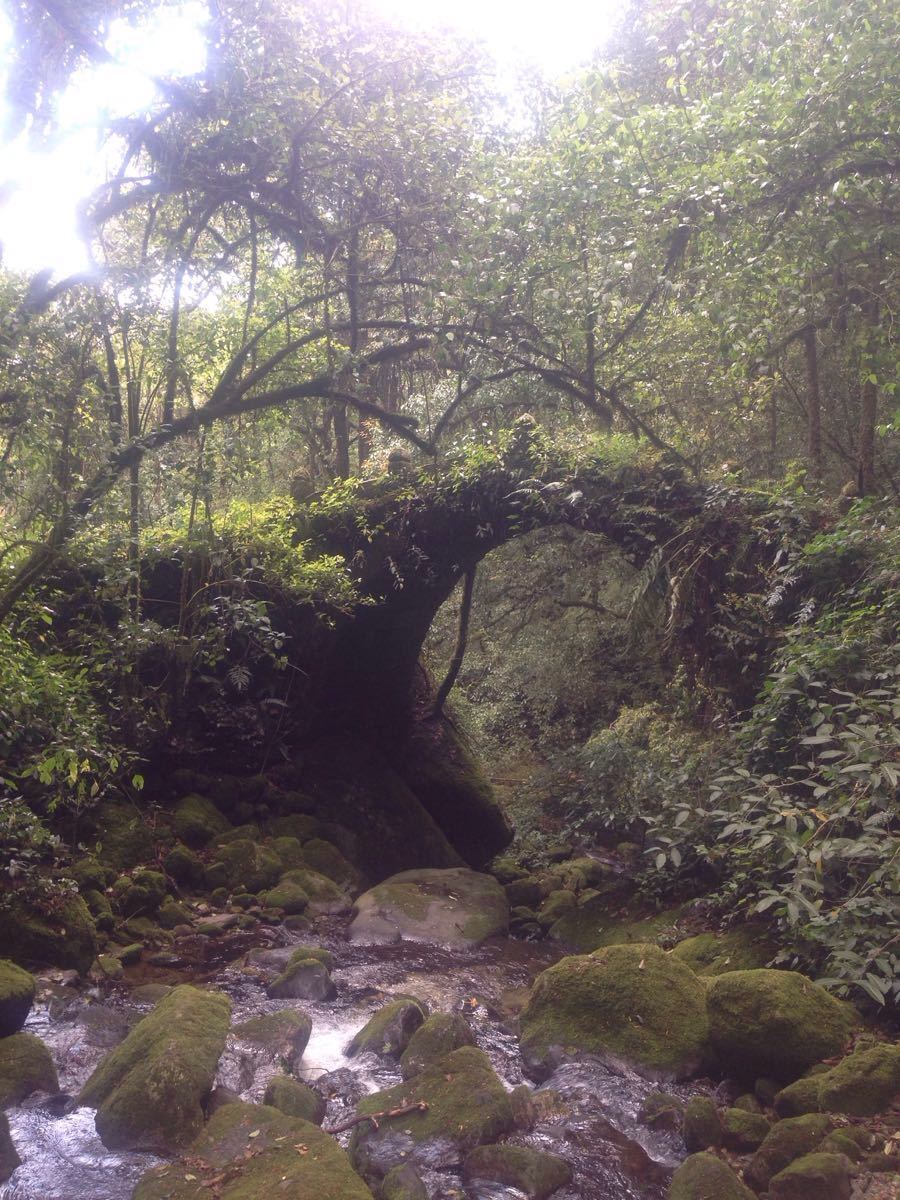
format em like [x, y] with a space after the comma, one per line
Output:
[172, 913]
[289, 852]
[583, 873]
[716, 954]
[774, 1023]
[325, 957]
[17, 988]
[785, 1141]
[143, 894]
[108, 966]
[705, 1177]
[507, 870]
[403, 1183]
[150, 1090]
[9, 1159]
[183, 865]
[25, 1067]
[594, 924]
[90, 874]
[862, 1084]
[524, 893]
[660, 1110]
[125, 837]
[555, 907]
[533, 1172]
[295, 1099]
[839, 1141]
[743, 1131]
[324, 894]
[263, 1154]
[466, 1105]
[247, 866]
[701, 1128]
[303, 979]
[389, 1031]
[326, 858]
[197, 821]
[284, 1035]
[436, 1037]
[454, 907]
[625, 1003]
[65, 937]
[100, 909]
[813, 1177]
[299, 826]
[287, 895]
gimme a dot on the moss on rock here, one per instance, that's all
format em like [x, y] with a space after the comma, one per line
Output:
[289, 852]
[436, 1037]
[743, 1131]
[705, 1177]
[303, 979]
[389, 1031]
[774, 1023]
[262, 1153]
[149, 1091]
[287, 895]
[465, 1105]
[813, 1177]
[324, 894]
[633, 1003]
[785, 1141]
[295, 1099]
[454, 907]
[284, 1034]
[246, 866]
[862, 1084]
[716, 954]
[325, 858]
[403, 1183]
[533, 1172]
[17, 988]
[9, 1159]
[184, 866]
[125, 838]
[65, 937]
[197, 821]
[701, 1129]
[25, 1067]
[594, 924]
[325, 957]
[142, 894]
[660, 1110]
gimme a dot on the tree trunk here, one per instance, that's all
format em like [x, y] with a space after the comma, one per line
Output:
[813, 403]
[134, 497]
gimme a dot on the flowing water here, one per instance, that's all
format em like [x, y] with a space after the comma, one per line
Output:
[587, 1113]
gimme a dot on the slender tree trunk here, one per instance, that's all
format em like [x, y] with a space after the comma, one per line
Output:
[134, 497]
[813, 403]
[459, 654]
[868, 414]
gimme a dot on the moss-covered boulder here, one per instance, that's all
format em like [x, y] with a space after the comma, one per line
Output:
[785, 1142]
[814, 1177]
[17, 989]
[403, 1183]
[701, 1128]
[389, 1031]
[661, 1110]
[303, 979]
[90, 874]
[289, 852]
[283, 1035]
[142, 894]
[557, 904]
[840, 1141]
[149, 1091]
[288, 895]
[324, 894]
[326, 858]
[183, 865]
[464, 1105]
[705, 1177]
[437, 1036]
[533, 1172]
[774, 1023]
[862, 1084]
[325, 957]
[125, 838]
[715, 954]
[197, 821]
[257, 1153]
[743, 1131]
[628, 1003]
[454, 907]
[100, 909]
[25, 1067]
[63, 936]
[172, 914]
[295, 1099]
[247, 866]
[9, 1159]
[597, 922]
[524, 893]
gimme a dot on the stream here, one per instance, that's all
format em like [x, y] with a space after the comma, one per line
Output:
[586, 1113]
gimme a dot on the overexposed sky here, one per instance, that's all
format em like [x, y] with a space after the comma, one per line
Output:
[40, 189]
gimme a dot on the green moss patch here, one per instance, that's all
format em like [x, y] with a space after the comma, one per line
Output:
[284, 1034]
[440, 1034]
[533, 1172]
[454, 907]
[705, 1177]
[813, 1177]
[25, 1067]
[149, 1091]
[785, 1142]
[715, 954]
[65, 937]
[389, 1031]
[197, 821]
[17, 989]
[295, 1099]
[631, 1003]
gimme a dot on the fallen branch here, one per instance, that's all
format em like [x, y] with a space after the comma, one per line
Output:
[421, 1106]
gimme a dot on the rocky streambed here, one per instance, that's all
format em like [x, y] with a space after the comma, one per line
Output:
[584, 1112]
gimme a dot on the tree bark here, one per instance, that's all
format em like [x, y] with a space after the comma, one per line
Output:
[813, 403]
